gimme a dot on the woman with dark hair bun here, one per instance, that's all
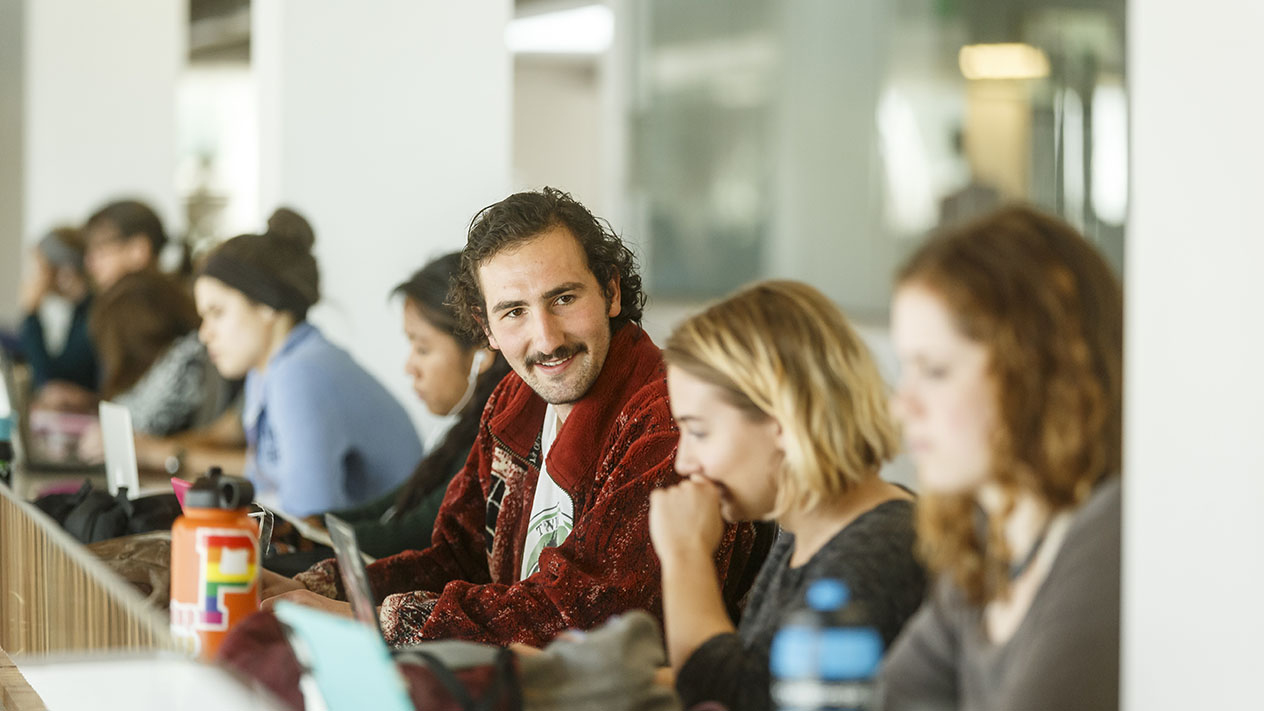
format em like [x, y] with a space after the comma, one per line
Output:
[322, 433]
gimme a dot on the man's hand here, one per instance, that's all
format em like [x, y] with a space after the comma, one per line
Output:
[685, 521]
[310, 599]
[272, 584]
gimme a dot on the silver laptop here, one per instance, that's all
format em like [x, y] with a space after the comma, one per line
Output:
[45, 442]
[355, 578]
[119, 441]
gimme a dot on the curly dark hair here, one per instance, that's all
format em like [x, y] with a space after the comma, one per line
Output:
[524, 216]
[1049, 310]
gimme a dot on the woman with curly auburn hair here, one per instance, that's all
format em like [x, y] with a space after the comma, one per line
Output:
[1009, 331]
[783, 417]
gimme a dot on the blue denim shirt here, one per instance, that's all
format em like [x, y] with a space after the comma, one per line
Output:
[323, 434]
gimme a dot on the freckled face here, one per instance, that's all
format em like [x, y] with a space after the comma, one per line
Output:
[946, 399]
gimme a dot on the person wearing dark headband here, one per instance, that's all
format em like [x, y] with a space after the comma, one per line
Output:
[322, 434]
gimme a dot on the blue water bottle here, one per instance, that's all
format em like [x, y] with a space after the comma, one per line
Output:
[825, 657]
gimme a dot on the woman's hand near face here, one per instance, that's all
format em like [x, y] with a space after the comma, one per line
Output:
[685, 521]
[686, 528]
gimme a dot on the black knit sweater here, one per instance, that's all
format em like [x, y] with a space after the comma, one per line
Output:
[873, 555]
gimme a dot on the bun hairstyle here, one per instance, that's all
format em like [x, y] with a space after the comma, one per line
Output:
[275, 269]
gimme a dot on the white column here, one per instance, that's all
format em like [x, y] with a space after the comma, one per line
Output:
[11, 174]
[1194, 464]
[89, 106]
[817, 177]
[388, 125]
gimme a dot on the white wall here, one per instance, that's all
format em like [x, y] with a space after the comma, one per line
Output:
[100, 106]
[89, 114]
[846, 258]
[388, 124]
[1194, 468]
[559, 128]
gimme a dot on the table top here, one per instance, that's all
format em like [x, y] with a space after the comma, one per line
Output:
[15, 693]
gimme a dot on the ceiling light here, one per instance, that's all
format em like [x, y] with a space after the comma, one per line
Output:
[1003, 61]
[581, 30]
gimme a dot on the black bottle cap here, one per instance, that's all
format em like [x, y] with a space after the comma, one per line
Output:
[216, 490]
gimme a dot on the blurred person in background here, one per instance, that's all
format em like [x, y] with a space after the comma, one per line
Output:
[322, 433]
[122, 237]
[453, 375]
[1009, 333]
[64, 369]
[145, 329]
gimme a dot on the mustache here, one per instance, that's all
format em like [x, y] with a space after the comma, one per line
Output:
[560, 354]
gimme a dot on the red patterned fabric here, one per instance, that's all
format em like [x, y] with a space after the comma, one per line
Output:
[617, 445]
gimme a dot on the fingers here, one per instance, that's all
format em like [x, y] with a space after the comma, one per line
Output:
[274, 584]
[301, 597]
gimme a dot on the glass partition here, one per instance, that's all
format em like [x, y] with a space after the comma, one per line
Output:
[821, 140]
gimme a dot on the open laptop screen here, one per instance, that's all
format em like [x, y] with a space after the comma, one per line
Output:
[120, 449]
[355, 579]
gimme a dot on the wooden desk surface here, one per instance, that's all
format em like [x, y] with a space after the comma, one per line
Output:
[15, 693]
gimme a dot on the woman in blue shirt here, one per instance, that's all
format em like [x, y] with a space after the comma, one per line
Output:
[322, 433]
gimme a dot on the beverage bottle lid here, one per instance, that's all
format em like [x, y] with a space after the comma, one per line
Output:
[219, 491]
[827, 595]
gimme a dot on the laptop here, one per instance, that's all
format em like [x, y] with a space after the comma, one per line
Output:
[46, 442]
[355, 578]
[119, 442]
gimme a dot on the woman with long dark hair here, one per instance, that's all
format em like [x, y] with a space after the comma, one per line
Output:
[452, 375]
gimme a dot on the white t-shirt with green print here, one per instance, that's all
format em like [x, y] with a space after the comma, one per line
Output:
[552, 512]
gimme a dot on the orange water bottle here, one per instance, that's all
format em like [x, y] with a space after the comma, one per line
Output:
[214, 562]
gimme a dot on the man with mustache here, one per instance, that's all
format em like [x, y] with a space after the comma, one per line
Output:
[546, 528]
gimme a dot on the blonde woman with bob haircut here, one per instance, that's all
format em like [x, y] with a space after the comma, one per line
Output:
[1009, 332]
[783, 417]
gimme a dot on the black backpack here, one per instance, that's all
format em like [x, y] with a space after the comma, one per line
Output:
[92, 515]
